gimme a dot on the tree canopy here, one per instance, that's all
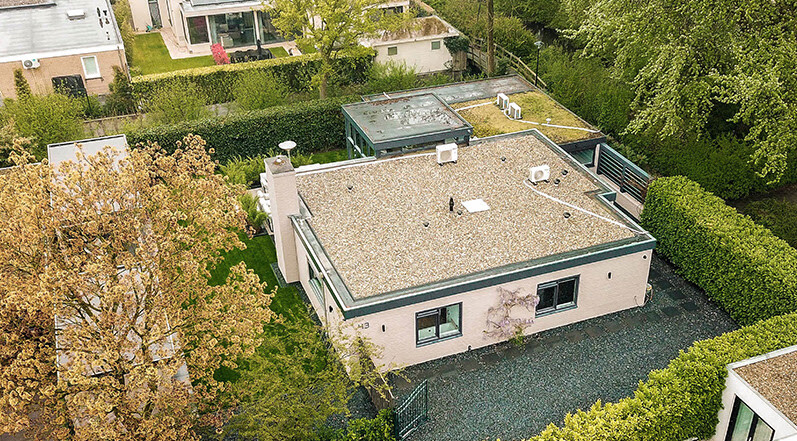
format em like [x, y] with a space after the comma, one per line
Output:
[104, 295]
[693, 62]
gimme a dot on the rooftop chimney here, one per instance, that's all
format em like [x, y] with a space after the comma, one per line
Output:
[284, 198]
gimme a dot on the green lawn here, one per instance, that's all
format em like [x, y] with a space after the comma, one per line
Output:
[330, 156]
[278, 51]
[151, 56]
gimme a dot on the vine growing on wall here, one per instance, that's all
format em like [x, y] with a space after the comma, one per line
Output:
[500, 320]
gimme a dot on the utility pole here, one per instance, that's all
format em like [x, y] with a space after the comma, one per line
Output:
[490, 41]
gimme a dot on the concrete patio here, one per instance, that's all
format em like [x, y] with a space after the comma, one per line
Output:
[178, 50]
[511, 392]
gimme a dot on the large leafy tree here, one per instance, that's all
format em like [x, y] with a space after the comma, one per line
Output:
[104, 297]
[693, 61]
[332, 27]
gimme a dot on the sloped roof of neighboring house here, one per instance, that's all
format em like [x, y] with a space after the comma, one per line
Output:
[43, 28]
[774, 377]
[420, 29]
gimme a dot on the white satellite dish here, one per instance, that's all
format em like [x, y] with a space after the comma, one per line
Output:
[287, 146]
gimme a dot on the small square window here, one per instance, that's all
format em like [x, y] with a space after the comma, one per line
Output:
[438, 324]
[392, 50]
[436, 45]
[557, 295]
[90, 67]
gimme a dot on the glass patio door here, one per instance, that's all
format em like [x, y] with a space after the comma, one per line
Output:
[155, 13]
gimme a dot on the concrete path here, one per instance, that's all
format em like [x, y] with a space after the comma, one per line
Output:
[512, 392]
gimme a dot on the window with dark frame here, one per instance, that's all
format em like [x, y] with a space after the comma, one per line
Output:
[557, 295]
[392, 50]
[438, 324]
[746, 425]
[315, 282]
[436, 45]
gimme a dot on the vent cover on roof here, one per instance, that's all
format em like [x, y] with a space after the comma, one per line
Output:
[76, 14]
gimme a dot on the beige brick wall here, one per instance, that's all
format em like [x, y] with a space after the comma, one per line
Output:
[597, 295]
[40, 79]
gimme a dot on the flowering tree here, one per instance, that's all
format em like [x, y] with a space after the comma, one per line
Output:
[104, 296]
[500, 321]
[219, 54]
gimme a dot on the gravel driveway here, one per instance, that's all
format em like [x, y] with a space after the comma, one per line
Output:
[511, 392]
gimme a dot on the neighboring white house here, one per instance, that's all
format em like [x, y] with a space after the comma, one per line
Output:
[421, 45]
[760, 399]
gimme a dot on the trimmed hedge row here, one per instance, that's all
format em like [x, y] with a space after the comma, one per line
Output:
[747, 270]
[316, 126]
[681, 401]
[216, 82]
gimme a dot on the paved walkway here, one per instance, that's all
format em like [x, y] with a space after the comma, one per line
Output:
[511, 392]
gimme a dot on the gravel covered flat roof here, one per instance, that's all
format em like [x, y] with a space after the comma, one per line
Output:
[775, 378]
[386, 224]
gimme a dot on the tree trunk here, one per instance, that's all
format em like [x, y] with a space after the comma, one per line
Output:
[326, 68]
[490, 42]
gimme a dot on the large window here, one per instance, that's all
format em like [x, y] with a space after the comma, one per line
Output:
[745, 425]
[233, 29]
[90, 67]
[438, 324]
[268, 33]
[557, 295]
[197, 30]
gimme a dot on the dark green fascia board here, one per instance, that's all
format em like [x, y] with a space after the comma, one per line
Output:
[412, 296]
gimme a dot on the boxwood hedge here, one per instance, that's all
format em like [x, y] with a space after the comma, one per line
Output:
[315, 126]
[681, 401]
[216, 82]
[747, 270]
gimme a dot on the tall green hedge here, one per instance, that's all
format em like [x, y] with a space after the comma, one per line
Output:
[216, 82]
[316, 126]
[681, 401]
[741, 265]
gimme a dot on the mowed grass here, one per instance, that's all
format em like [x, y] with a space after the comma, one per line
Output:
[150, 55]
[278, 51]
[258, 256]
[488, 120]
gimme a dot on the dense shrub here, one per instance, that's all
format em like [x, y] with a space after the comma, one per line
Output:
[216, 82]
[779, 216]
[124, 19]
[254, 218]
[314, 125]
[179, 102]
[258, 90]
[379, 428]
[120, 100]
[244, 171]
[682, 401]
[45, 119]
[742, 266]
[391, 76]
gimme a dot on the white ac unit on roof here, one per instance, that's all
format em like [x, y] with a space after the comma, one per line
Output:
[502, 101]
[513, 111]
[31, 63]
[539, 173]
[447, 153]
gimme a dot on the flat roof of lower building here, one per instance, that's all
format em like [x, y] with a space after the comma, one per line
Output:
[464, 91]
[386, 226]
[406, 120]
[774, 377]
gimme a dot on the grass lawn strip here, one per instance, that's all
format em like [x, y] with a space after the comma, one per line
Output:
[151, 56]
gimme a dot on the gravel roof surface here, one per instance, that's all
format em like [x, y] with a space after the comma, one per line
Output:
[776, 380]
[375, 233]
[513, 393]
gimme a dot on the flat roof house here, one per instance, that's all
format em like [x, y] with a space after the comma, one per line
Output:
[421, 46]
[760, 399]
[59, 43]
[429, 260]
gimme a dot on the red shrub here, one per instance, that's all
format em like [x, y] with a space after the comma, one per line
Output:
[219, 54]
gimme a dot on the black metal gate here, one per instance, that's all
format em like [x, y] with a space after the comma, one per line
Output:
[413, 412]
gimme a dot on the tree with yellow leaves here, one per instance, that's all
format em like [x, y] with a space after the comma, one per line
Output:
[108, 326]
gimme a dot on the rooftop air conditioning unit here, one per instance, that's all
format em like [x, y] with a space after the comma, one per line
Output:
[513, 111]
[502, 101]
[539, 173]
[447, 153]
[31, 63]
